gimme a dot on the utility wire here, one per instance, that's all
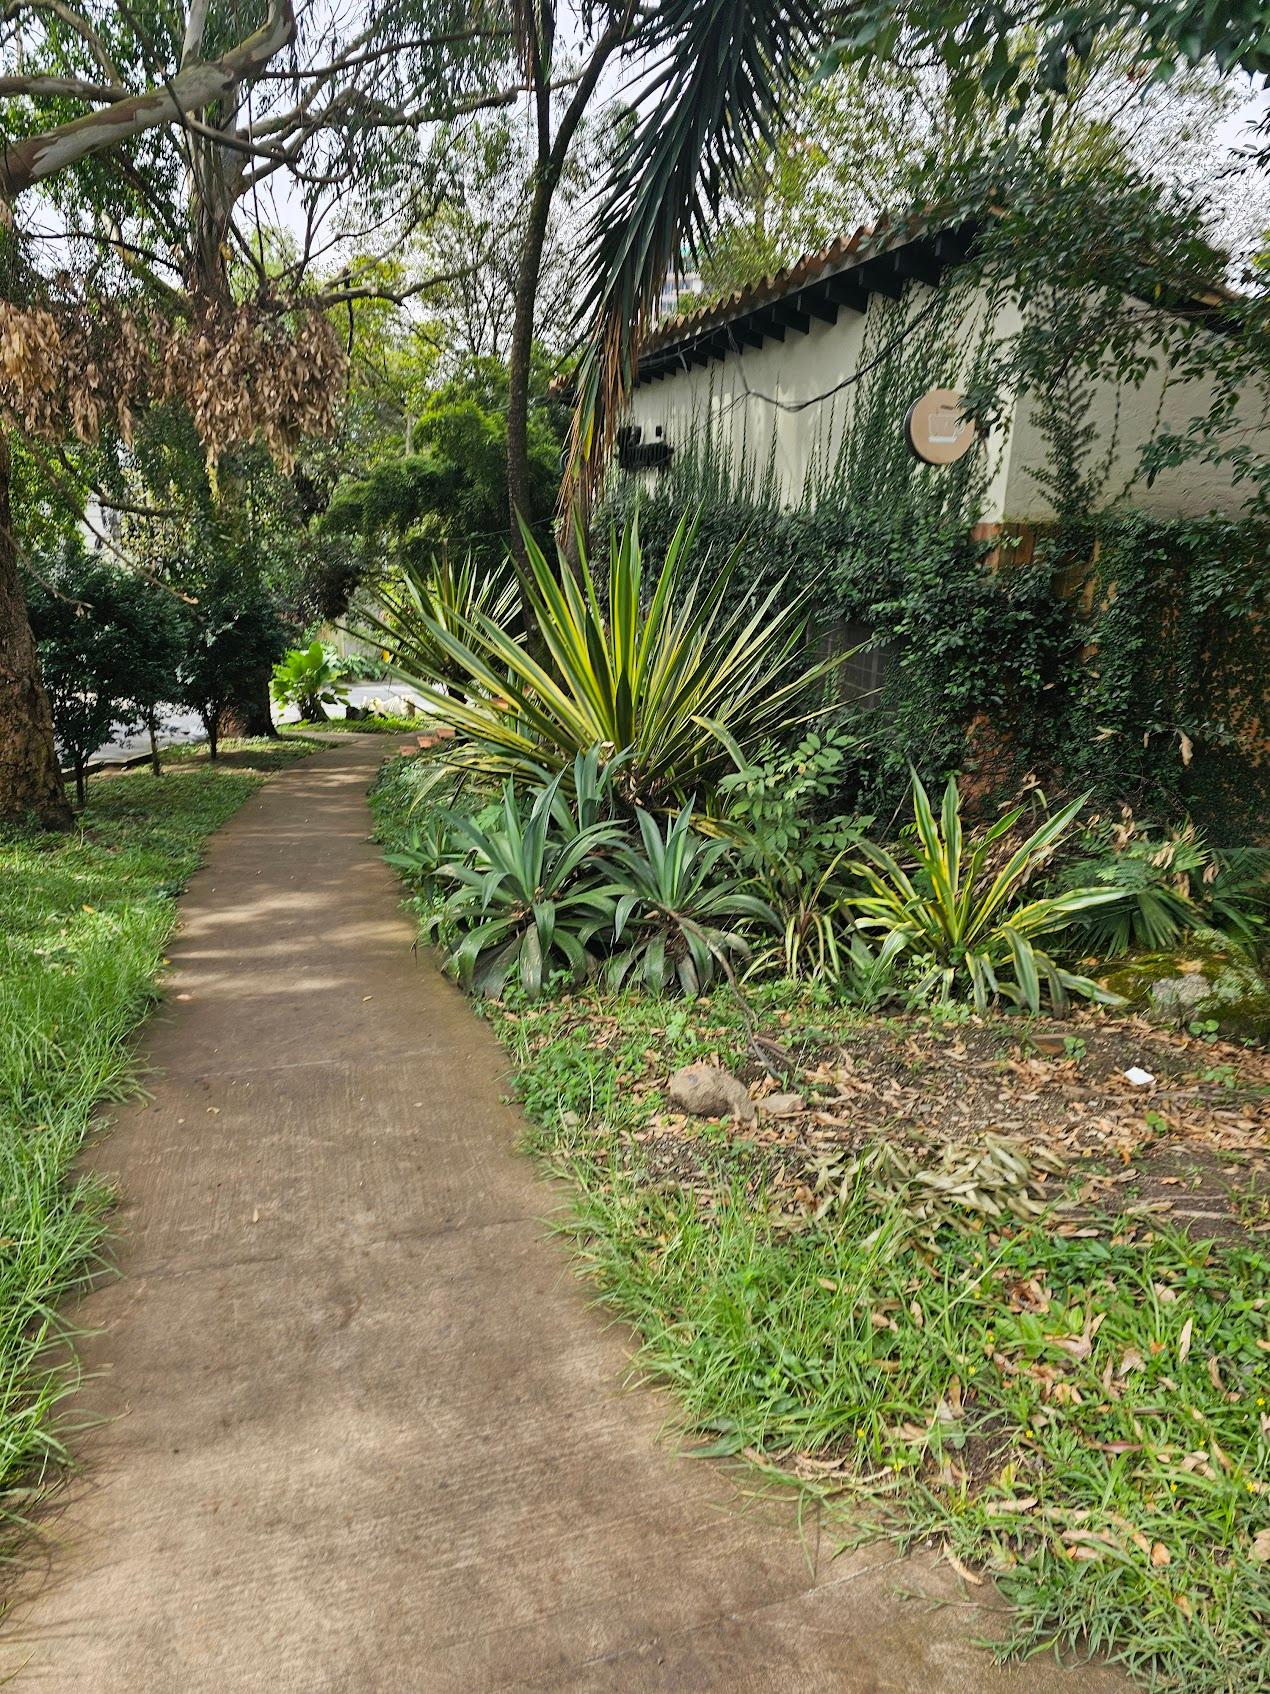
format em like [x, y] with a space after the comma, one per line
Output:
[748, 393]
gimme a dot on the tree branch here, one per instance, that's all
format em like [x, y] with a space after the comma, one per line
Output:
[193, 87]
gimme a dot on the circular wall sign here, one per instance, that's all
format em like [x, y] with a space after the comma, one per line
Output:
[937, 430]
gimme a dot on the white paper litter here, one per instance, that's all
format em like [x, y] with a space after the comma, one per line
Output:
[1138, 1077]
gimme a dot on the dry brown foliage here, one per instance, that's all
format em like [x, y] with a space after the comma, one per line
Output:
[245, 373]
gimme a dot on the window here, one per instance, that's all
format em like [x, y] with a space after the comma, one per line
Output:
[863, 676]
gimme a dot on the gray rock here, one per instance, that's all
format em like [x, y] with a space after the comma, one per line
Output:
[780, 1105]
[706, 1091]
[1177, 996]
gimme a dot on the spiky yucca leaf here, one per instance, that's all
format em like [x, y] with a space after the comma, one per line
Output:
[670, 679]
[440, 595]
[969, 929]
[676, 906]
[521, 901]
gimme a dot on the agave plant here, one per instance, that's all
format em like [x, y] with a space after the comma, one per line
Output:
[683, 687]
[967, 927]
[521, 901]
[441, 596]
[308, 678]
[674, 913]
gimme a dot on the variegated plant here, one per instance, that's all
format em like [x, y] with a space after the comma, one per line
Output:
[659, 671]
[970, 930]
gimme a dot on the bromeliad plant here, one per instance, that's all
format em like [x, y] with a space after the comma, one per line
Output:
[676, 906]
[970, 930]
[657, 668]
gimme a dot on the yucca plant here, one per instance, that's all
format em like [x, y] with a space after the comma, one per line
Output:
[666, 675]
[676, 908]
[523, 902]
[422, 600]
[967, 928]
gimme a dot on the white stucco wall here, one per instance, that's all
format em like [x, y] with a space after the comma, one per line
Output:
[1127, 418]
[805, 365]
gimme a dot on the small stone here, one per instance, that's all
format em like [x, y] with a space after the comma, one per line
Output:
[1050, 1045]
[781, 1105]
[706, 1091]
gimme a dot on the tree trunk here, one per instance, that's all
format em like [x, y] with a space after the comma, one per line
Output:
[521, 352]
[212, 726]
[81, 784]
[551, 162]
[30, 779]
[152, 729]
[251, 712]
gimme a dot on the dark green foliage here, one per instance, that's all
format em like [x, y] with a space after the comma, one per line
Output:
[1170, 710]
[231, 636]
[1016, 50]
[109, 646]
[1172, 883]
[1154, 696]
[967, 641]
[449, 489]
[522, 901]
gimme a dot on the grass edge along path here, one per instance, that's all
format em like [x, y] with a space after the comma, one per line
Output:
[84, 920]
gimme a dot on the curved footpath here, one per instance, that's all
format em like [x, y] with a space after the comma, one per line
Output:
[364, 1433]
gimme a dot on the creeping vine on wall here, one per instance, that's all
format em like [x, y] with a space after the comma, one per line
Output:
[1147, 686]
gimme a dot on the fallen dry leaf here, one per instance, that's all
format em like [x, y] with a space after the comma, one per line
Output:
[1184, 1341]
[955, 1562]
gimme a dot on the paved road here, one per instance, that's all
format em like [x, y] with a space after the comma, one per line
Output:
[366, 1433]
[177, 727]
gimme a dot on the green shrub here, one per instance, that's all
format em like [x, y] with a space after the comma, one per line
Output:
[308, 678]
[778, 815]
[966, 926]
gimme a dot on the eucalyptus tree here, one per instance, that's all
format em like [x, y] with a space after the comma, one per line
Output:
[186, 196]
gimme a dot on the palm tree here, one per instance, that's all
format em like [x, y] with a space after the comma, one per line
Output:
[709, 78]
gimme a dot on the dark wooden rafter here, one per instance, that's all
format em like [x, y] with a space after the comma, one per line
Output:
[922, 259]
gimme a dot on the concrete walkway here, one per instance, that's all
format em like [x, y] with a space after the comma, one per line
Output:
[365, 1434]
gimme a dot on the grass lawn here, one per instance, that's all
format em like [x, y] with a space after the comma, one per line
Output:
[974, 1289]
[383, 723]
[84, 919]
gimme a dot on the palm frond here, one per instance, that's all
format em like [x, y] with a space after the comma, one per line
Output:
[722, 72]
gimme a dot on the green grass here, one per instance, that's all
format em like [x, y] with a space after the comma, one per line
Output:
[84, 919]
[385, 723]
[1086, 1417]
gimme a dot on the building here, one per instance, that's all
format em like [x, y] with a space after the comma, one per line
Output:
[773, 377]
